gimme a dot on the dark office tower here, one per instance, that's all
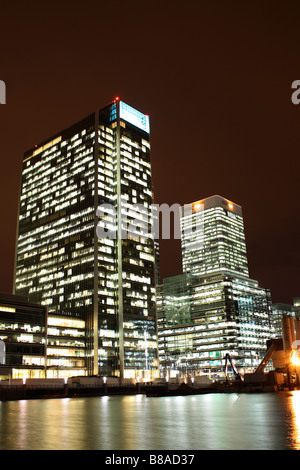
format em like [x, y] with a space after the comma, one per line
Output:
[85, 248]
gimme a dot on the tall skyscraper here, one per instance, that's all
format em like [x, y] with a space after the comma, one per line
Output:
[81, 190]
[213, 308]
[213, 238]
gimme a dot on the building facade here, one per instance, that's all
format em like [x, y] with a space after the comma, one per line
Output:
[278, 311]
[23, 330]
[296, 306]
[222, 314]
[84, 245]
[213, 237]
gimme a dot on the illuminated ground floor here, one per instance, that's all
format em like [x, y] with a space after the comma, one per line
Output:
[199, 322]
[190, 350]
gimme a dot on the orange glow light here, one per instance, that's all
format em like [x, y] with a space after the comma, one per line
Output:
[230, 205]
[197, 206]
[295, 359]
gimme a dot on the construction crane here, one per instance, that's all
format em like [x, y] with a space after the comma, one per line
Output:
[238, 376]
[267, 357]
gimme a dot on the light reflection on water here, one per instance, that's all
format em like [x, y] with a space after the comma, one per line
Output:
[294, 428]
[268, 421]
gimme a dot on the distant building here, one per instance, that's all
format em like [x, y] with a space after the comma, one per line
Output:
[215, 315]
[23, 328]
[278, 310]
[214, 308]
[96, 277]
[296, 305]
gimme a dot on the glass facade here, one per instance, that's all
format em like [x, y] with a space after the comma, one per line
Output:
[278, 310]
[100, 290]
[227, 315]
[296, 305]
[177, 305]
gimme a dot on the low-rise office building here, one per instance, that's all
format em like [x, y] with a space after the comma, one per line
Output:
[23, 336]
[200, 322]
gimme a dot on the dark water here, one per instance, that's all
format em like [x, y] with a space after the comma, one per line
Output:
[268, 421]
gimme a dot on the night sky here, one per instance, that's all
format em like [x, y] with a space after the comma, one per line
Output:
[215, 78]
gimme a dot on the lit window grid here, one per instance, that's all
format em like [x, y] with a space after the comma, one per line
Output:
[138, 259]
[222, 243]
[243, 333]
[50, 290]
[41, 235]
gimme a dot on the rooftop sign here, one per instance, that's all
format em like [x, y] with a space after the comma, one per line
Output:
[134, 117]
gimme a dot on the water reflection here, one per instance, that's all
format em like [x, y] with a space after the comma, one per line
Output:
[217, 421]
[295, 421]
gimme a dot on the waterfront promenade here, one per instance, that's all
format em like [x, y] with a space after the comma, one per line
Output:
[17, 389]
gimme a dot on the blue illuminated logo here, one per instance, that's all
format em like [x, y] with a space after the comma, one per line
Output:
[134, 117]
[113, 112]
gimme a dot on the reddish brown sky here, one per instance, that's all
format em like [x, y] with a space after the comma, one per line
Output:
[215, 78]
